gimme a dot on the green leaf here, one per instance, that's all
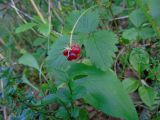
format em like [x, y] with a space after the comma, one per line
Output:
[83, 114]
[139, 59]
[117, 9]
[100, 48]
[62, 113]
[29, 60]
[75, 112]
[130, 84]
[39, 41]
[56, 59]
[78, 92]
[45, 29]
[154, 8]
[26, 81]
[133, 34]
[148, 95]
[137, 17]
[25, 27]
[146, 33]
[64, 95]
[87, 23]
[104, 91]
[49, 99]
[130, 34]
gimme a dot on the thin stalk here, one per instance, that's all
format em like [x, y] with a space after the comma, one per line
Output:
[19, 12]
[14, 7]
[65, 108]
[4, 107]
[76, 23]
[71, 92]
[38, 11]
[72, 31]
[49, 21]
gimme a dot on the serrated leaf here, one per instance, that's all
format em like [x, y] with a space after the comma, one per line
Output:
[137, 17]
[100, 48]
[87, 23]
[148, 95]
[56, 59]
[25, 27]
[146, 33]
[130, 34]
[130, 84]
[104, 91]
[133, 34]
[139, 59]
[29, 60]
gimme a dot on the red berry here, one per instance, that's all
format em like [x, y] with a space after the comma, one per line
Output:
[65, 52]
[75, 49]
[69, 58]
[72, 56]
[73, 52]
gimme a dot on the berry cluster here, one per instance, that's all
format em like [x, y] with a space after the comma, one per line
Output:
[73, 52]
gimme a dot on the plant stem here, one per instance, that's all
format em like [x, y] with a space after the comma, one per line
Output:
[38, 11]
[72, 31]
[71, 92]
[65, 108]
[49, 21]
[4, 107]
[14, 7]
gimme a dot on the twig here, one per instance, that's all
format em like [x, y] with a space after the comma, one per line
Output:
[119, 18]
[19, 11]
[38, 12]
[59, 5]
[49, 21]
[5, 6]
[56, 14]
[74, 4]
[14, 6]
[58, 17]
[4, 107]
[57, 33]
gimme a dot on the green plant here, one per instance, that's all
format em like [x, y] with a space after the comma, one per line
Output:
[69, 58]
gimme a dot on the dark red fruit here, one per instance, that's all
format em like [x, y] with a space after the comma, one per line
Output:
[66, 52]
[73, 52]
[75, 49]
[69, 58]
[72, 56]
